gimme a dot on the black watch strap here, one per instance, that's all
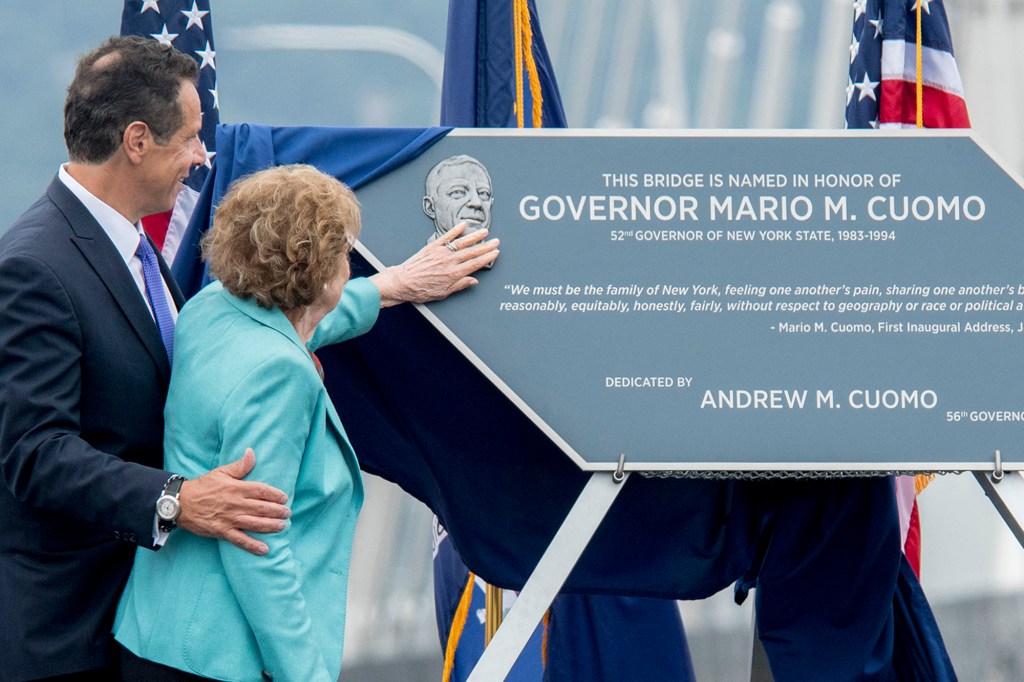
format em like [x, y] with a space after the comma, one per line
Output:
[169, 494]
[173, 485]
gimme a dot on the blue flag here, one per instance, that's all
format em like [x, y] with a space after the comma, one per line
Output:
[459, 605]
[583, 636]
[480, 85]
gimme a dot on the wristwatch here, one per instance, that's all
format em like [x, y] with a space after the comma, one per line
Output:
[168, 507]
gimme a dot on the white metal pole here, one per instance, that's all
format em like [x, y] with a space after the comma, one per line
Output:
[554, 21]
[723, 48]
[379, 39]
[828, 106]
[774, 78]
[669, 107]
[988, 63]
[618, 91]
[585, 72]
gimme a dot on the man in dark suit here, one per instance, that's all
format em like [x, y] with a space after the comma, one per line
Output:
[84, 372]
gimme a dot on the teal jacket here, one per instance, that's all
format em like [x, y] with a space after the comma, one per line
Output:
[242, 378]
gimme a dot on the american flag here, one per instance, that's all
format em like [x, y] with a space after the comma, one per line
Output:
[883, 67]
[188, 26]
[882, 93]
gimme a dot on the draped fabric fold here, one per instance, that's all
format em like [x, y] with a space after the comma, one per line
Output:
[355, 156]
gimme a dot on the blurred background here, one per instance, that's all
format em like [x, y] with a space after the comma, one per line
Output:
[647, 63]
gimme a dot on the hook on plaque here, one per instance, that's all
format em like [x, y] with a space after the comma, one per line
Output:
[997, 473]
[619, 475]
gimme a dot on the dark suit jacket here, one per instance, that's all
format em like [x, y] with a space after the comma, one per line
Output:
[83, 378]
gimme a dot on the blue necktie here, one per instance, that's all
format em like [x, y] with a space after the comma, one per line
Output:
[155, 294]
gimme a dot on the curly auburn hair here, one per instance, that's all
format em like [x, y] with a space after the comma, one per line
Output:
[280, 235]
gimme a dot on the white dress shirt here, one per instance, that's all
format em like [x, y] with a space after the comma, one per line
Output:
[122, 233]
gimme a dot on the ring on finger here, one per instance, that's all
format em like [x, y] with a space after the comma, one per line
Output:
[451, 246]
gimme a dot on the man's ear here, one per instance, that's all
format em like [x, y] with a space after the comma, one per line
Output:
[136, 141]
[428, 207]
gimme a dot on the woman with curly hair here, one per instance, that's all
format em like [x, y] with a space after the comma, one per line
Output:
[244, 376]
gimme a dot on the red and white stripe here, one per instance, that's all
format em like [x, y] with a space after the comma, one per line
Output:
[943, 91]
[910, 523]
[167, 229]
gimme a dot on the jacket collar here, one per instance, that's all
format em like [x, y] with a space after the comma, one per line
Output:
[273, 318]
[97, 249]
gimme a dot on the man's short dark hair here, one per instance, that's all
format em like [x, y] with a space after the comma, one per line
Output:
[126, 79]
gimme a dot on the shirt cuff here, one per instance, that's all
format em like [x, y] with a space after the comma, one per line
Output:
[159, 536]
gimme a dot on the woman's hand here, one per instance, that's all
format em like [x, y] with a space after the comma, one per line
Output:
[437, 270]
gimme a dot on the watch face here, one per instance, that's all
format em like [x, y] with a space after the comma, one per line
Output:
[167, 508]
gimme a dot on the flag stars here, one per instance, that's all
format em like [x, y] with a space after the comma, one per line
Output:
[209, 156]
[854, 49]
[867, 88]
[150, 5]
[877, 23]
[216, 99]
[859, 7]
[925, 6]
[195, 16]
[165, 37]
[849, 90]
[207, 56]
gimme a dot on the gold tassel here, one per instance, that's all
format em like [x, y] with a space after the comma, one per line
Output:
[544, 641]
[524, 56]
[458, 624]
[531, 68]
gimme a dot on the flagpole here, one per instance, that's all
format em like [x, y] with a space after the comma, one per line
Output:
[723, 48]
[615, 110]
[586, 60]
[919, 77]
[668, 108]
[827, 110]
[493, 607]
[782, 21]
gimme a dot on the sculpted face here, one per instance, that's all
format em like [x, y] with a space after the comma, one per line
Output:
[460, 192]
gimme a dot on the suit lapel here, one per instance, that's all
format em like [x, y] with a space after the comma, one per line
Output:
[94, 245]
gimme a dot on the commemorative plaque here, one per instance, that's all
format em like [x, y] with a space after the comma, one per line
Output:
[712, 302]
